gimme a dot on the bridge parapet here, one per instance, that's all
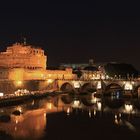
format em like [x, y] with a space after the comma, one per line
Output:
[99, 83]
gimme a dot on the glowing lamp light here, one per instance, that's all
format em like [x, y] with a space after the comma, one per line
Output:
[68, 111]
[103, 77]
[15, 128]
[16, 121]
[116, 119]
[99, 85]
[99, 106]
[76, 104]
[18, 83]
[89, 113]
[94, 99]
[19, 108]
[93, 76]
[44, 114]
[49, 81]
[107, 77]
[94, 112]
[49, 106]
[128, 108]
[1, 94]
[76, 85]
[133, 83]
[128, 86]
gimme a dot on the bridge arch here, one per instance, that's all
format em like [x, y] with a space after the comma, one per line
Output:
[67, 87]
[113, 87]
[88, 87]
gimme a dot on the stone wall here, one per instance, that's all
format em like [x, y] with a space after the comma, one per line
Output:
[9, 87]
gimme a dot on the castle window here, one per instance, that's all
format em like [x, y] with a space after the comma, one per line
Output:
[34, 52]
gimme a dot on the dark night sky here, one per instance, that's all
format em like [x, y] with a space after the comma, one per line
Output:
[73, 33]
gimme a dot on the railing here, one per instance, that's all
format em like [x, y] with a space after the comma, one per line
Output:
[135, 80]
[81, 79]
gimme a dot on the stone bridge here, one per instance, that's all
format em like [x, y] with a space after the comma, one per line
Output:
[102, 85]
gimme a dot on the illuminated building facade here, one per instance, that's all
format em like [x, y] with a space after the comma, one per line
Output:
[25, 62]
[23, 56]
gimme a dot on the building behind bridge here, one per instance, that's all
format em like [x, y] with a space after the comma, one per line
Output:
[108, 70]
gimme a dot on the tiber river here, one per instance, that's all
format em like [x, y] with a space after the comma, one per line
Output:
[72, 117]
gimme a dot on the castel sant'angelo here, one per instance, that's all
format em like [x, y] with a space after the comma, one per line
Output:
[25, 62]
[22, 63]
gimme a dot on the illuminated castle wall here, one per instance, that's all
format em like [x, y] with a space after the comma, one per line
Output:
[23, 56]
[24, 62]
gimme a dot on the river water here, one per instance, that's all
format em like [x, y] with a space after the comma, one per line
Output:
[72, 117]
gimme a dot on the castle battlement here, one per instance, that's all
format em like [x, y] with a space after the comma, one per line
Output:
[23, 56]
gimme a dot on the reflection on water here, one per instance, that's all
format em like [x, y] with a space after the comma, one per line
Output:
[54, 116]
[31, 124]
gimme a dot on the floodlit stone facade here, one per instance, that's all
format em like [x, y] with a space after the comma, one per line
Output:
[23, 56]
[25, 62]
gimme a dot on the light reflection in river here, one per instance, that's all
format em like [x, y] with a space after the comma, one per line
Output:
[29, 125]
[32, 122]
